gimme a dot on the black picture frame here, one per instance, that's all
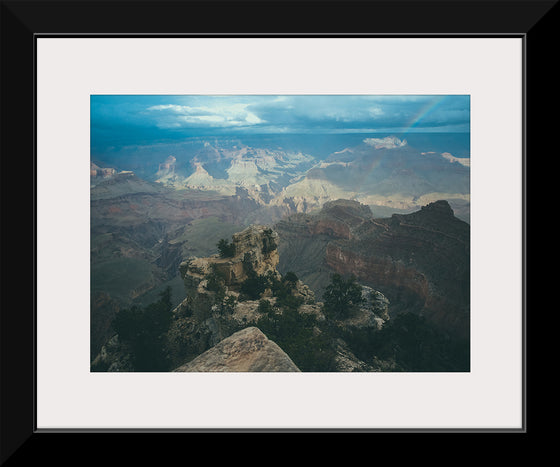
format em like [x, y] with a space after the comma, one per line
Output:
[22, 22]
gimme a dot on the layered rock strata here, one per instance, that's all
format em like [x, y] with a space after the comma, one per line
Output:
[420, 261]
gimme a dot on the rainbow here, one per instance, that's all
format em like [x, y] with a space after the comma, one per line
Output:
[428, 107]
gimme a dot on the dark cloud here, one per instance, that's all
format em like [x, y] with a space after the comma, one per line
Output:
[123, 119]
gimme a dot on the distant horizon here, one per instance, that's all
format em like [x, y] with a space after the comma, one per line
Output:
[320, 146]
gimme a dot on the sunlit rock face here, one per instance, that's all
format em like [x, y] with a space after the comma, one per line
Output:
[255, 248]
[245, 350]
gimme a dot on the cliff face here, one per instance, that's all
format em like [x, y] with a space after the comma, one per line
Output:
[408, 287]
[421, 257]
[420, 261]
[255, 249]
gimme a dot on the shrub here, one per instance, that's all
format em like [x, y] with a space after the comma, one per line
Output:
[143, 330]
[295, 333]
[265, 307]
[289, 301]
[413, 343]
[226, 249]
[272, 281]
[342, 297]
[268, 242]
[291, 278]
[253, 286]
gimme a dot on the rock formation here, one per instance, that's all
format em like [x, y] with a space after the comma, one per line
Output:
[212, 309]
[168, 166]
[255, 250]
[204, 319]
[97, 173]
[221, 326]
[245, 350]
[420, 261]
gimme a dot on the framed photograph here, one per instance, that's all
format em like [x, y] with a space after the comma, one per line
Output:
[248, 230]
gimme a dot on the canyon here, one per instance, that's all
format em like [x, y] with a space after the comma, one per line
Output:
[421, 261]
[393, 215]
[222, 325]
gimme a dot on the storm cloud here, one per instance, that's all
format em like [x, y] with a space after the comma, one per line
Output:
[144, 119]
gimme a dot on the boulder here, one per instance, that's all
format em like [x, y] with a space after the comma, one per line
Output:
[248, 350]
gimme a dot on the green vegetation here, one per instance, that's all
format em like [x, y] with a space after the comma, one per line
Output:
[299, 336]
[143, 329]
[268, 242]
[226, 249]
[283, 290]
[255, 284]
[297, 333]
[407, 342]
[291, 278]
[290, 302]
[253, 287]
[342, 297]
[412, 343]
[265, 307]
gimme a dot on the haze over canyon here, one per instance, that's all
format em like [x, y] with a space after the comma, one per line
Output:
[311, 217]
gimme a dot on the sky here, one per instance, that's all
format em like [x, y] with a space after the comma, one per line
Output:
[120, 120]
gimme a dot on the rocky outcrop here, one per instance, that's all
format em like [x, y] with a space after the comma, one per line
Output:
[248, 350]
[373, 312]
[258, 246]
[213, 308]
[208, 325]
[255, 250]
[202, 320]
[97, 173]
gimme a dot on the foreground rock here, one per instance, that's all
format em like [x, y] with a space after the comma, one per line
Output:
[247, 350]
